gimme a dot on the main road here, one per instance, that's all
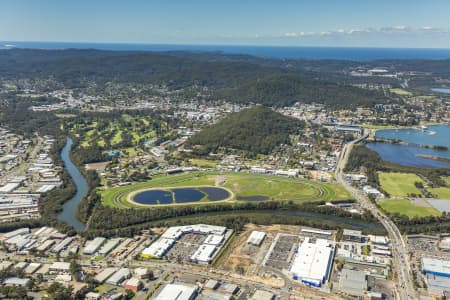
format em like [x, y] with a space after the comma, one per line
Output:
[399, 250]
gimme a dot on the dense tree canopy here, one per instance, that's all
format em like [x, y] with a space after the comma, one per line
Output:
[256, 130]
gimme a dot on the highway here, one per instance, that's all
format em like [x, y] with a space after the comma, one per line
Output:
[401, 264]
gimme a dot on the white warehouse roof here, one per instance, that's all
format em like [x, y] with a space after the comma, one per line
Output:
[119, 276]
[436, 266]
[312, 262]
[105, 274]
[256, 237]
[177, 292]
[20, 231]
[92, 246]
[178, 231]
[214, 239]
[204, 254]
[158, 248]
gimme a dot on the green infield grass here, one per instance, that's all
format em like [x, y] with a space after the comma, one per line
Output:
[400, 92]
[400, 184]
[405, 207]
[243, 186]
[440, 192]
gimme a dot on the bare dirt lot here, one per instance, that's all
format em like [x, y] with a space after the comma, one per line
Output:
[246, 259]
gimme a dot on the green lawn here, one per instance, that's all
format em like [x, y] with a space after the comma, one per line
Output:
[131, 151]
[101, 143]
[405, 207]
[272, 187]
[400, 92]
[440, 192]
[90, 133]
[135, 137]
[399, 184]
[85, 144]
[241, 184]
[117, 138]
[203, 163]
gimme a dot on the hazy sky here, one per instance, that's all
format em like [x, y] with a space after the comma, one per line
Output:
[379, 23]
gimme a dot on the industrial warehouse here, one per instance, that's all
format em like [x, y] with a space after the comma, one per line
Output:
[437, 274]
[204, 244]
[312, 264]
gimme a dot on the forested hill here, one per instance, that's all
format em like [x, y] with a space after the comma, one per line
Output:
[237, 81]
[286, 89]
[256, 130]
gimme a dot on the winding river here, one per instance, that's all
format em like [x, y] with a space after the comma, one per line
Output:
[68, 214]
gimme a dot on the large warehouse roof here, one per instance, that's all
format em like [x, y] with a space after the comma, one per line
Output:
[436, 266]
[178, 231]
[203, 254]
[312, 262]
[92, 246]
[177, 292]
[353, 281]
[158, 248]
[256, 237]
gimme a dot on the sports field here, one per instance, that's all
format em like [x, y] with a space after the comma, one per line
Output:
[245, 187]
[400, 92]
[405, 207]
[399, 184]
[440, 192]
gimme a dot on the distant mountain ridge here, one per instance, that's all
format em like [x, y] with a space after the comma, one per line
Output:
[268, 82]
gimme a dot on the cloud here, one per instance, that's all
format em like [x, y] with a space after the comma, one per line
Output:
[399, 29]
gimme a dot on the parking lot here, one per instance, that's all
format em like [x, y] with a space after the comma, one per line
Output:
[185, 247]
[283, 251]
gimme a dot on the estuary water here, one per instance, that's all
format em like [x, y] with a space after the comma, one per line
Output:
[436, 135]
[407, 155]
[68, 214]
[411, 154]
[441, 90]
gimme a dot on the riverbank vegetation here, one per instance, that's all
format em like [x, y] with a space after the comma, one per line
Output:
[235, 215]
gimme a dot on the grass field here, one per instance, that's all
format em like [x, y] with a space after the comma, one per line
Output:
[241, 184]
[400, 92]
[90, 134]
[203, 163]
[274, 188]
[399, 184]
[405, 207]
[440, 192]
[446, 179]
[117, 138]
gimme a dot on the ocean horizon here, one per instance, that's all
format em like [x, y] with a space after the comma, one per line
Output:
[280, 52]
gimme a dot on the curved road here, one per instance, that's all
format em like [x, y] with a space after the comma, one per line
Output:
[399, 251]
